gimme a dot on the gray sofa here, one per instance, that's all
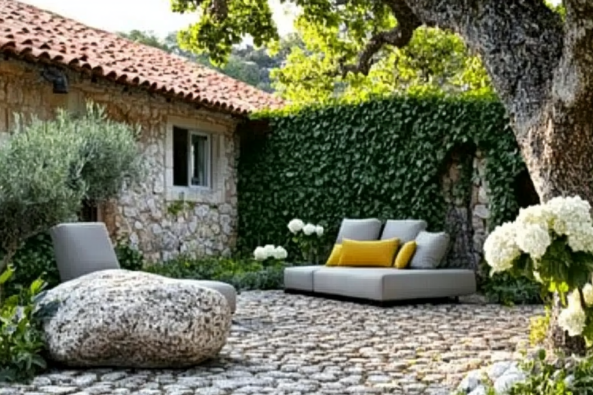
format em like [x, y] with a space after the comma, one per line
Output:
[423, 279]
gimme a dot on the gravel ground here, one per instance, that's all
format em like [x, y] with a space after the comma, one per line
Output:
[297, 345]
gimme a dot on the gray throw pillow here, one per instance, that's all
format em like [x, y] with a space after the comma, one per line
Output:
[403, 229]
[367, 229]
[431, 249]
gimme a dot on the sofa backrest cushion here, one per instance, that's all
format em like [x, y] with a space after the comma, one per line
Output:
[81, 248]
[366, 229]
[431, 249]
[403, 229]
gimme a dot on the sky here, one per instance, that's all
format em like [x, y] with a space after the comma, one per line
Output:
[126, 15]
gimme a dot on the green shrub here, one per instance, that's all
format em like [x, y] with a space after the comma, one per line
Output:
[22, 343]
[243, 274]
[504, 288]
[35, 259]
[129, 258]
[381, 158]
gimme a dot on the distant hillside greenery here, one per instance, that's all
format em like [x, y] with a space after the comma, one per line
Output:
[246, 64]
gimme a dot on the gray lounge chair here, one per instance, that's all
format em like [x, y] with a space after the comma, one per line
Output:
[84, 247]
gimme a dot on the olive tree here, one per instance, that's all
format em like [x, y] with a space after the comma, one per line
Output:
[40, 181]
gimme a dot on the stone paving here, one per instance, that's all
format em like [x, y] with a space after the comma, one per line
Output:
[298, 345]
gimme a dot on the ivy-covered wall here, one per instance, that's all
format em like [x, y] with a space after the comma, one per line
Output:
[383, 158]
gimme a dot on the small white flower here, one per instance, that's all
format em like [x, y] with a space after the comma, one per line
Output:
[260, 254]
[269, 249]
[573, 318]
[280, 253]
[296, 225]
[309, 229]
[500, 249]
[588, 294]
[319, 230]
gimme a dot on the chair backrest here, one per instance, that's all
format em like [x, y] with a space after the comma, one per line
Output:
[82, 248]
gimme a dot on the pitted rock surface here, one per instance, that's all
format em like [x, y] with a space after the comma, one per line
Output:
[120, 318]
[297, 345]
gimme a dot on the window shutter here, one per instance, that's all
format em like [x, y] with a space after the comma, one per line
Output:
[180, 156]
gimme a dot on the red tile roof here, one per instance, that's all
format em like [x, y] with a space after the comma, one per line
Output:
[37, 34]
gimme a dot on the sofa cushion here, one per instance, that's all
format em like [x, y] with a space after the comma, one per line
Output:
[431, 249]
[404, 255]
[403, 229]
[300, 278]
[389, 284]
[359, 229]
[368, 253]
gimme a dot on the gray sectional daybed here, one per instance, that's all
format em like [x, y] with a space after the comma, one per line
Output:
[422, 279]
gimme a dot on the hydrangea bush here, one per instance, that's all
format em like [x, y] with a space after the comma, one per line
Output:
[552, 243]
[308, 237]
[270, 251]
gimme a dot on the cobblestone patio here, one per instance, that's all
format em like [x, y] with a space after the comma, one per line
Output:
[298, 345]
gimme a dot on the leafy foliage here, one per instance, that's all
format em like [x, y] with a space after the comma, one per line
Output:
[35, 259]
[509, 290]
[109, 152]
[243, 274]
[379, 158]
[434, 61]
[21, 338]
[564, 376]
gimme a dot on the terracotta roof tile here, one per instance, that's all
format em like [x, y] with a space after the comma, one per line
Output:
[31, 32]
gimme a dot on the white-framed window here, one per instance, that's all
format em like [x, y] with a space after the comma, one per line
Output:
[192, 158]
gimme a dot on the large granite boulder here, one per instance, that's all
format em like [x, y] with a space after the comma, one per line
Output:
[120, 318]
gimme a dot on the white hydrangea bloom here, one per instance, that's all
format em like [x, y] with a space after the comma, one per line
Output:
[296, 225]
[533, 240]
[580, 236]
[535, 215]
[567, 212]
[572, 319]
[309, 229]
[588, 294]
[260, 254]
[319, 230]
[280, 253]
[500, 248]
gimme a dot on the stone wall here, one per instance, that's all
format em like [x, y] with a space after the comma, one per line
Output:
[467, 206]
[159, 219]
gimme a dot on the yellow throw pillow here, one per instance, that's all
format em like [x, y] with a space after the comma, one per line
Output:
[378, 253]
[405, 254]
[334, 257]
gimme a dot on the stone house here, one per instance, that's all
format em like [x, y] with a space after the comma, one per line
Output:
[189, 116]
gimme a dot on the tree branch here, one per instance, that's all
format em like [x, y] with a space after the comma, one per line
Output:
[399, 36]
